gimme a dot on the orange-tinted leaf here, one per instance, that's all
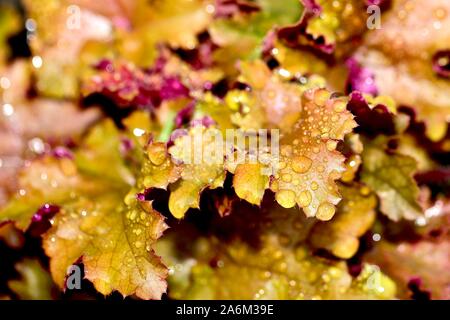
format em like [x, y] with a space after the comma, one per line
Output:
[115, 242]
[309, 163]
[158, 170]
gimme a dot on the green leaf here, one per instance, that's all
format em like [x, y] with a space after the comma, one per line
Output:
[391, 177]
[242, 37]
[35, 282]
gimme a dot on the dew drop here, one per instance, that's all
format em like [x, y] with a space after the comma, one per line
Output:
[314, 186]
[36, 145]
[364, 190]
[301, 164]
[286, 151]
[37, 62]
[8, 109]
[286, 177]
[281, 267]
[286, 198]
[277, 255]
[339, 106]
[157, 154]
[440, 13]
[325, 211]
[321, 96]
[5, 83]
[68, 167]
[304, 198]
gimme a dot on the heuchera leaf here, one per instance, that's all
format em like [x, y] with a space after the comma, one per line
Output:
[57, 46]
[176, 22]
[35, 282]
[158, 169]
[45, 180]
[404, 70]
[242, 35]
[278, 101]
[9, 24]
[100, 221]
[215, 108]
[372, 115]
[327, 27]
[360, 78]
[309, 163]
[265, 247]
[130, 86]
[352, 149]
[390, 175]
[201, 167]
[425, 261]
[355, 215]
[298, 62]
[249, 183]
[115, 242]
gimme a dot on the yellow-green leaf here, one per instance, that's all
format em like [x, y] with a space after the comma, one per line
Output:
[355, 215]
[35, 282]
[201, 157]
[266, 248]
